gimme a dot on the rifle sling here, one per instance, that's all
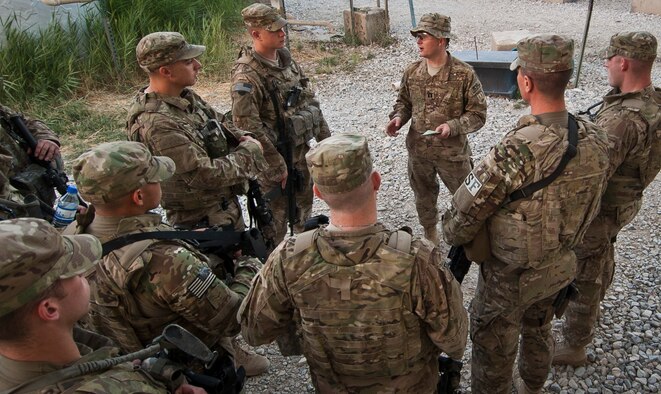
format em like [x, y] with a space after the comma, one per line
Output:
[222, 237]
[568, 155]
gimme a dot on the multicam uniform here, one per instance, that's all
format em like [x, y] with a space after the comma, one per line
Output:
[531, 242]
[252, 110]
[373, 317]
[454, 96]
[121, 379]
[211, 169]
[633, 122]
[141, 288]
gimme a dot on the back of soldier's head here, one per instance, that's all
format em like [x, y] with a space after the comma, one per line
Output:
[113, 170]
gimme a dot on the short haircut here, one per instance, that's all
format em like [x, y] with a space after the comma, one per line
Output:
[551, 85]
[641, 66]
[346, 201]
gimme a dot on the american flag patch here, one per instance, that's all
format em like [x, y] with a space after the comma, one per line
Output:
[202, 282]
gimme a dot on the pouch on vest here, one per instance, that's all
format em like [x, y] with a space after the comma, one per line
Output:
[478, 250]
[33, 180]
[215, 141]
[304, 124]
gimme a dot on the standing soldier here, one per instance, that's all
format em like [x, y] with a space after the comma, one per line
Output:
[377, 307]
[631, 114]
[214, 159]
[536, 192]
[272, 98]
[442, 94]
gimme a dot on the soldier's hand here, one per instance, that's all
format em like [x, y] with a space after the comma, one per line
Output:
[46, 150]
[443, 131]
[247, 138]
[189, 389]
[393, 126]
[283, 180]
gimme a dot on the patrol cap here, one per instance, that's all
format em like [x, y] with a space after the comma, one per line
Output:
[262, 16]
[435, 24]
[340, 163]
[35, 255]
[639, 45]
[544, 53]
[115, 169]
[164, 47]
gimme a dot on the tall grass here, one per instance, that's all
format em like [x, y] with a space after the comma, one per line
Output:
[55, 62]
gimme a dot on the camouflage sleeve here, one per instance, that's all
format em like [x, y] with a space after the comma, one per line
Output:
[166, 138]
[505, 169]
[267, 310]
[41, 131]
[188, 287]
[626, 135]
[122, 378]
[438, 301]
[475, 108]
[403, 106]
[248, 96]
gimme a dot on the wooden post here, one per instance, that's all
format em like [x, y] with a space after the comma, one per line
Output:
[283, 13]
[351, 18]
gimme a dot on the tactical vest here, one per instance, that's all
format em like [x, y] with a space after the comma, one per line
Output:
[357, 319]
[528, 233]
[302, 117]
[636, 173]
[202, 129]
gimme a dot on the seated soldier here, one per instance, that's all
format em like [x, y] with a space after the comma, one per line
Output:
[43, 295]
[144, 286]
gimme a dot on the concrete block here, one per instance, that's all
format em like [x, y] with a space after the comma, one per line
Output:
[370, 24]
[646, 6]
[506, 40]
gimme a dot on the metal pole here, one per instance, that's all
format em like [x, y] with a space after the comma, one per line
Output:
[378, 3]
[585, 39]
[387, 14]
[283, 12]
[412, 13]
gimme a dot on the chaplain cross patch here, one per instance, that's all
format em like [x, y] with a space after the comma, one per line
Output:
[472, 184]
[202, 282]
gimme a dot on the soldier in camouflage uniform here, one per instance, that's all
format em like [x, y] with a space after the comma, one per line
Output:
[631, 114]
[531, 239]
[43, 295]
[214, 159]
[377, 307]
[439, 93]
[144, 286]
[17, 163]
[268, 69]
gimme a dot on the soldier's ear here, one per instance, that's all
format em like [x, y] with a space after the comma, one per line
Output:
[316, 192]
[48, 309]
[376, 180]
[137, 197]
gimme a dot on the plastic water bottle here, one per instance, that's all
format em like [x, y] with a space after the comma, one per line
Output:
[65, 210]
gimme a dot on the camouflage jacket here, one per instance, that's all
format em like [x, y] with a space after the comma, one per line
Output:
[633, 123]
[373, 317]
[139, 289]
[453, 96]
[208, 160]
[252, 107]
[122, 379]
[536, 233]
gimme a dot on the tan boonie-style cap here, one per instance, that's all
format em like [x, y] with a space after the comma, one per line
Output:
[261, 16]
[35, 255]
[544, 53]
[639, 45]
[115, 169]
[164, 47]
[340, 163]
[435, 24]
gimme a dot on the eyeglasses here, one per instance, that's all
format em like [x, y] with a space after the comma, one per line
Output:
[422, 36]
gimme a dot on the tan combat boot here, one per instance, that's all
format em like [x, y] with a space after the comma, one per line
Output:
[432, 234]
[253, 363]
[522, 388]
[566, 354]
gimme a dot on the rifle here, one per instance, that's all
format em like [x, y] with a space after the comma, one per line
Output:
[285, 149]
[591, 115]
[260, 213]
[459, 263]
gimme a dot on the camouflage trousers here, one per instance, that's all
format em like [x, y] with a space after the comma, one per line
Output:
[223, 214]
[596, 268]
[303, 203]
[425, 165]
[500, 324]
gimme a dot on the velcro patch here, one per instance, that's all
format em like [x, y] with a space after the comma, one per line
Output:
[202, 282]
[242, 88]
[473, 185]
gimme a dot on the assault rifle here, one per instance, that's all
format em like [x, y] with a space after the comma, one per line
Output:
[285, 148]
[260, 214]
[459, 263]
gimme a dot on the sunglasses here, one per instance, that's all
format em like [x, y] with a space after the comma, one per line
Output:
[422, 36]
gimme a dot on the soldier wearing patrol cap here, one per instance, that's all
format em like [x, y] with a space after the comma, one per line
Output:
[441, 95]
[264, 71]
[377, 306]
[531, 227]
[144, 286]
[214, 159]
[631, 114]
[43, 295]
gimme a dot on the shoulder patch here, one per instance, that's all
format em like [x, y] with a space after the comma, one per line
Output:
[202, 282]
[472, 183]
[242, 88]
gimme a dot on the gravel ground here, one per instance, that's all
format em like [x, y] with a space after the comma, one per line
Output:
[626, 354]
